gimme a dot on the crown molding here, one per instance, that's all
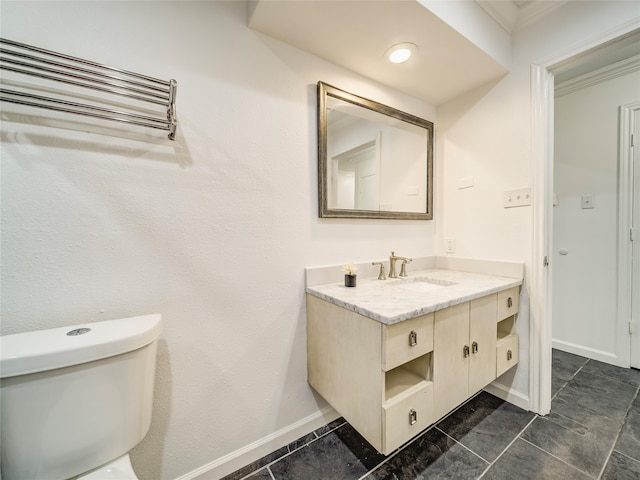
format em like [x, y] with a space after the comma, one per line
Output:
[503, 13]
[601, 75]
[511, 17]
[534, 11]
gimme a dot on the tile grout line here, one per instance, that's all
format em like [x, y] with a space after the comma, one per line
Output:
[615, 442]
[579, 370]
[507, 447]
[601, 375]
[567, 382]
[271, 473]
[397, 451]
[560, 389]
[557, 458]
[369, 472]
[463, 446]
[289, 452]
[627, 456]
[268, 465]
[318, 437]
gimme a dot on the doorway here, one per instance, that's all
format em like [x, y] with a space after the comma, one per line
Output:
[355, 177]
[592, 204]
[542, 111]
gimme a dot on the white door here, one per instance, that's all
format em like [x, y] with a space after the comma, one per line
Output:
[346, 190]
[368, 192]
[635, 279]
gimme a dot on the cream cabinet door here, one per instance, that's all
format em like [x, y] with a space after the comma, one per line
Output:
[508, 302]
[507, 352]
[404, 341]
[450, 358]
[482, 337]
[407, 416]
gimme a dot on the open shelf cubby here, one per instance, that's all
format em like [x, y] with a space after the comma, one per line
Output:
[506, 327]
[408, 378]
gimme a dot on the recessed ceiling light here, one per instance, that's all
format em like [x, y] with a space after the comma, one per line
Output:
[400, 52]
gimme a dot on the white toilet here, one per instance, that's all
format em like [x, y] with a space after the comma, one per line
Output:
[75, 400]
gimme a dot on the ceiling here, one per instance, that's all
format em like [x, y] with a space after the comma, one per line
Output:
[354, 34]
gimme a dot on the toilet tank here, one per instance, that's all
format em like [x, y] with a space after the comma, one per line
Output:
[75, 398]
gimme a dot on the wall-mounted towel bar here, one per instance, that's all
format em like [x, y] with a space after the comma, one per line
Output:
[52, 68]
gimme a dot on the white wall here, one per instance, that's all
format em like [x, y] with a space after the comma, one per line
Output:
[486, 134]
[586, 162]
[212, 230]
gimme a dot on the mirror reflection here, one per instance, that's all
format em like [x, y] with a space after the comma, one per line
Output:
[374, 161]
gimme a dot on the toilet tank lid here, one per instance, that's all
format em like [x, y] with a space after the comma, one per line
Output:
[31, 352]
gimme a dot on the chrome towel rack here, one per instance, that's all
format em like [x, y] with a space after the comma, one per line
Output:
[53, 68]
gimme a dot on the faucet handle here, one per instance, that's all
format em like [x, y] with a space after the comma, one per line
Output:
[403, 267]
[382, 275]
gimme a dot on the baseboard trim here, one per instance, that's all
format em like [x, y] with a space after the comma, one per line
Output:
[250, 453]
[592, 353]
[264, 446]
[508, 395]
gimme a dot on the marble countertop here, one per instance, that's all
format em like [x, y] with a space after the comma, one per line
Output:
[425, 291]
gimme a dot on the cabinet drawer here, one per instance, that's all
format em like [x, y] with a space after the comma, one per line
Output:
[507, 353]
[404, 341]
[406, 416]
[508, 301]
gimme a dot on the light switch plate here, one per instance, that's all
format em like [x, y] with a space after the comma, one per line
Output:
[518, 197]
[587, 201]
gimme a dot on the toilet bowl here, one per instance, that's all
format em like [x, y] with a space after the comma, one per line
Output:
[119, 469]
[75, 400]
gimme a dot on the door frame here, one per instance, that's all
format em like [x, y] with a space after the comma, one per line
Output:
[542, 85]
[626, 115]
[542, 162]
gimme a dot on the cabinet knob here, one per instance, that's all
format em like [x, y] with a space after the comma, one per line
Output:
[413, 417]
[474, 347]
[509, 354]
[465, 351]
[413, 338]
[509, 302]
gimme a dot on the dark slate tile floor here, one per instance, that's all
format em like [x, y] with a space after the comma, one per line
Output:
[592, 432]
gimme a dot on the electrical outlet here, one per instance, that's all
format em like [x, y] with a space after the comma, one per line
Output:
[518, 197]
[450, 245]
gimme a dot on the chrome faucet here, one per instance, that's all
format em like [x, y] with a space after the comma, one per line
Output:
[392, 265]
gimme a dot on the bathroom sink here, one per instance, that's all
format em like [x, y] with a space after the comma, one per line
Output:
[423, 284]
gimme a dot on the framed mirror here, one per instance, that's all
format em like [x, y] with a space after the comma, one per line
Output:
[374, 161]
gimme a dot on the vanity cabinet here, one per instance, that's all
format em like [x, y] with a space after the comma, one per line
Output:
[379, 377]
[391, 381]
